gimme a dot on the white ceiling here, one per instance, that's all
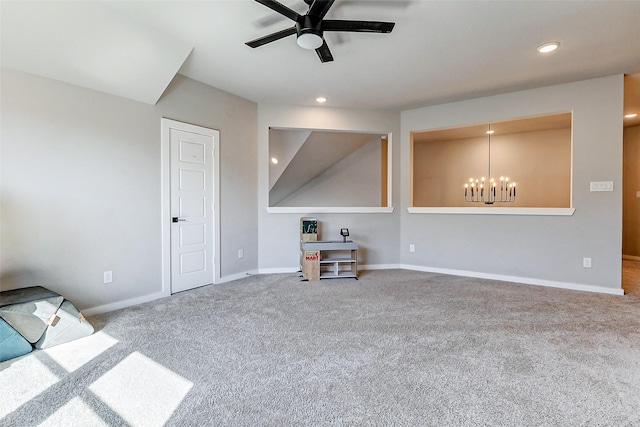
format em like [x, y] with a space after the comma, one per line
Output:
[439, 51]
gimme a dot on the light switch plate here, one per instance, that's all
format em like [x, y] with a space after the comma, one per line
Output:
[601, 186]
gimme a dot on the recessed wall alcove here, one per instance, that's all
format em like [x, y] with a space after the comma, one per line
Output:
[534, 152]
[328, 169]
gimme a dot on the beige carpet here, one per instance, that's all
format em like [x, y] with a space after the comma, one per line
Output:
[393, 348]
[631, 277]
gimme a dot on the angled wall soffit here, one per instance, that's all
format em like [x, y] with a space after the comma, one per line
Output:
[91, 45]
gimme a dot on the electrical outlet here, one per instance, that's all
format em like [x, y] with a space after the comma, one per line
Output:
[586, 262]
[108, 276]
[240, 253]
[412, 248]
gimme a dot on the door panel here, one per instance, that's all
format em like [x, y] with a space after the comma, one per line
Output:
[192, 262]
[192, 234]
[191, 152]
[192, 257]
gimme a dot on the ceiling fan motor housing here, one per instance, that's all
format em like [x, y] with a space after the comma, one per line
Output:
[309, 32]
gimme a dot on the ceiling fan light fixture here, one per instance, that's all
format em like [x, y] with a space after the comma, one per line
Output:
[309, 41]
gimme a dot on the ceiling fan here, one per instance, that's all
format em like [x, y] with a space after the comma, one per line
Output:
[309, 28]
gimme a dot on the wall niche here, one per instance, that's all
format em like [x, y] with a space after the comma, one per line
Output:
[310, 168]
[534, 152]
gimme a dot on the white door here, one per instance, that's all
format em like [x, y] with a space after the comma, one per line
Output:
[192, 209]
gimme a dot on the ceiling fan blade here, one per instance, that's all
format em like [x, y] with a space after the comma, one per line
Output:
[320, 8]
[281, 9]
[324, 53]
[357, 26]
[384, 3]
[271, 37]
[273, 18]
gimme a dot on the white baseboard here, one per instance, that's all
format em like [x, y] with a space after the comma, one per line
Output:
[479, 275]
[232, 277]
[631, 257]
[278, 270]
[151, 297]
[517, 279]
[122, 304]
[379, 266]
[514, 279]
[297, 270]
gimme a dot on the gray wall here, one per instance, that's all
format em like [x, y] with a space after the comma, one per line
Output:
[80, 189]
[546, 248]
[378, 234]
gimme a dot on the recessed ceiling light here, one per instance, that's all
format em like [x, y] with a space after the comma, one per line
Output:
[548, 47]
[490, 132]
[321, 99]
[630, 116]
[274, 160]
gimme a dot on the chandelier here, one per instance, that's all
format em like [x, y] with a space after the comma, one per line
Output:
[487, 192]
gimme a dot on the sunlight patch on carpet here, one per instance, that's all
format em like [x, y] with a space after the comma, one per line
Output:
[74, 413]
[141, 391]
[75, 354]
[21, 381]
